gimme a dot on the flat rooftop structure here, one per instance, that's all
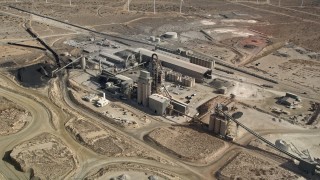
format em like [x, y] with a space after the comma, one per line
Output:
[177, 65]
[123, 78]
[111, 57]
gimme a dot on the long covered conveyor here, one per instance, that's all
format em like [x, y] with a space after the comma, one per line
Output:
[304, 165]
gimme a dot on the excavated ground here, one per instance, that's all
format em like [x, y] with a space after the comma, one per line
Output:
[107, 142]
[188, 144]
[42, 154]
[131, 171]
[247, 166]
[12, 117]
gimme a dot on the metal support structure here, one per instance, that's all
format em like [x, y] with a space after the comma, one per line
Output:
[181, 6]
[303, 162]
[155, 74]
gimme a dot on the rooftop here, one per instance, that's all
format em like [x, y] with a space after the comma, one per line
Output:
[175, 61]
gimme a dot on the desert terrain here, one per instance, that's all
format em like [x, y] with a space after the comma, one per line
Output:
[60, 59]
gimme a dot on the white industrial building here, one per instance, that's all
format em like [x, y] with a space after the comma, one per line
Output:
[144, 87]
[158, 104]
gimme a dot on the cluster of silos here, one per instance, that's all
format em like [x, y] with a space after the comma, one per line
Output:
[218, 125]
[155, 39]
[173, 76]
[188, 81]
[202, 62]
[177, 77]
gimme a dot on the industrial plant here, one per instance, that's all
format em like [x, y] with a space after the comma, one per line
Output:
[160, 90]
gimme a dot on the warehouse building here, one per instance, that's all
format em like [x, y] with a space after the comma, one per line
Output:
[112, 58]
[177, 65]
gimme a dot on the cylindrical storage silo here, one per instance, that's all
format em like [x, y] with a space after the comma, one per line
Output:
[83, 62]
[223, 127]
[211, 123]
[217, 126]
[281, 144]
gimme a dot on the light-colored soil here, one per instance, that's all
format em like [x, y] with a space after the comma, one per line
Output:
[297, 67]
[47, 155]
[188, 144]
[114, 112]
[12, 117]
[99, 140]
[131, 171]
[107, 142]
[247, 166]
[300, 141]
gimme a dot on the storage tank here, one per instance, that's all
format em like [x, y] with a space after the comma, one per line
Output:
[171, 35]
[211, 123]
[223, 127]
[83, 62]
[281, 144]
[217, 126]
[152, 38]
[158, 40]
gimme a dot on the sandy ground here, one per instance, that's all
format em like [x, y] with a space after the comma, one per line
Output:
[248, 166]
[301, 142]
[46, 155]
[224, 20]
[257, 120]
[188, 144]
[107, 142]
[291, 64]
[12, 117]
[131, 171]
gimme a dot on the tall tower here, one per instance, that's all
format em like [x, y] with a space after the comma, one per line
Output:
[144, 87]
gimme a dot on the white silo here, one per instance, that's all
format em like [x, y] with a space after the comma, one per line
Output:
[83, 63]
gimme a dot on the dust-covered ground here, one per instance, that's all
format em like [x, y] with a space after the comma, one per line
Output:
[187, 143]
[248, 166]
[107, 142]
[46, 155]
[12, 117]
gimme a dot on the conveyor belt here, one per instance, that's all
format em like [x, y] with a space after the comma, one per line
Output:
[261, 138]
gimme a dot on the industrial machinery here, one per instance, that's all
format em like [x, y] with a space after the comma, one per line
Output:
[305, 165]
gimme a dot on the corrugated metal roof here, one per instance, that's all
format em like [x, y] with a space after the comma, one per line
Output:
[111, 56]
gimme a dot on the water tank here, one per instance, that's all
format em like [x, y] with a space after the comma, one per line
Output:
[152, 38]
[171, 35]
[158, 40]
[281, 144]
[217, 126]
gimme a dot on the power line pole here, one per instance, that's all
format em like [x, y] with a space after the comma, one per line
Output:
[128, 5]
[301, 3]
[70, 2]
[279, 3]
[154, 6]
[181, 6]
